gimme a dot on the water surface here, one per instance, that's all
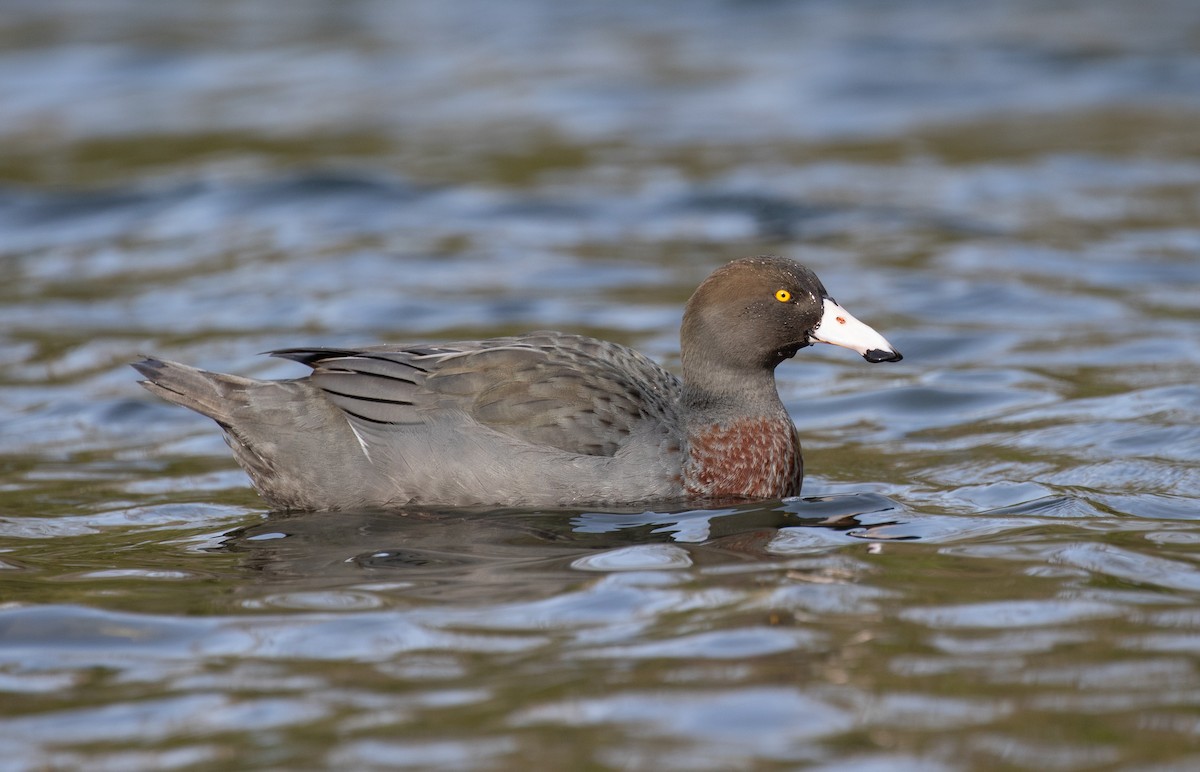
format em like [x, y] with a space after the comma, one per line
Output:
[996, 560]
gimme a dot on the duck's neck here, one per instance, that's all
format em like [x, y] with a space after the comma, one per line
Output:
[712, 394]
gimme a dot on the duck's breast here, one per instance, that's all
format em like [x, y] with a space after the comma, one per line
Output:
[748, 457]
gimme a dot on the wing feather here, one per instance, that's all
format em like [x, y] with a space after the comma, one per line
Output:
[574, 393]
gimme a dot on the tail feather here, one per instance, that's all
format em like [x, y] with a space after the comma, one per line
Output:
[210, 394]
[285, 434]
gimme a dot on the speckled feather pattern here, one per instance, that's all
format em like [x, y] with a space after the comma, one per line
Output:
[755, 457]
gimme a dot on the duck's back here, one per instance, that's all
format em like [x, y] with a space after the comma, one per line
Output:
[573, 393]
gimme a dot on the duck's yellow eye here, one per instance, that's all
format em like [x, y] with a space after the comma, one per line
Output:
[783, 296]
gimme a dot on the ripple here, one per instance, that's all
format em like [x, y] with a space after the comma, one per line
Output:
[931, 712]
[643, 557]
[129, 573]
[37, 683]
[457, 754]
[316, 601]
[725, 644]
[886, 762]
[1007, 750]
[1006, 614]
[155, 516]
[157, 720]
[726, 725]
[1130, 566]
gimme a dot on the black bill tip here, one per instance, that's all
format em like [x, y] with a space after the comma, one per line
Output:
[880, 355]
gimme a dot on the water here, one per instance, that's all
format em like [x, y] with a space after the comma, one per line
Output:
[995, 561]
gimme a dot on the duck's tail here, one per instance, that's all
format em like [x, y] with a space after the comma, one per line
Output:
[283, 433]
[215, 395]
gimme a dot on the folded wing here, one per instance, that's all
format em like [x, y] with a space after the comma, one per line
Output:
[574, 393]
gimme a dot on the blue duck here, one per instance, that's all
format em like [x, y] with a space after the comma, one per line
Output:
[542, 419]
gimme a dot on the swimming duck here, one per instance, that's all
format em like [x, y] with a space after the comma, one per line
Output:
[542, 419]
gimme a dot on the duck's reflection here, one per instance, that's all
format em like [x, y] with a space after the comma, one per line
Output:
[519, 554]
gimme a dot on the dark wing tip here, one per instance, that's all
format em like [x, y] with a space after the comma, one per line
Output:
[309, 356]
